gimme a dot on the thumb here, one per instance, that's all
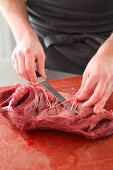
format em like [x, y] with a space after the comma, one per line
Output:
[41, 65]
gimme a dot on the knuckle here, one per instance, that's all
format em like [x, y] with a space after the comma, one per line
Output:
[85, 74]
[27, 50]
[19, 52]
[96, 74]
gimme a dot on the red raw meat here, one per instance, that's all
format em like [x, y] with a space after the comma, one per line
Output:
[30, 107]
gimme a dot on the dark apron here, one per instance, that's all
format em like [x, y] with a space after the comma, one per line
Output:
[65, 50]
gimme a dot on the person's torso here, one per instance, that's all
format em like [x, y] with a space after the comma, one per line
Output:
[73, 16]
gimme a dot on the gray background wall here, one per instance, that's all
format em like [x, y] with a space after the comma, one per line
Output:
[7, 42]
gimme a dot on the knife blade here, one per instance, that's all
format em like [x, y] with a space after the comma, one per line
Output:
[44, 83]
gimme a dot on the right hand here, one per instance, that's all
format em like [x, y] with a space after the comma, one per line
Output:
[28, 51]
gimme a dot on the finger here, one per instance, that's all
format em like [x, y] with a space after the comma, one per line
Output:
[15, 63]
[21, 63]
[12, 59]
[98, 92]
[100, 105]
[84, 79]
[41, 64]
[29, 65]
[89, 85]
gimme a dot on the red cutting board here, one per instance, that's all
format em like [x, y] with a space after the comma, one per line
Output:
[53, 150]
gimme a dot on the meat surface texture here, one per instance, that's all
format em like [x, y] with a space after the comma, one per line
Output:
[30, 107]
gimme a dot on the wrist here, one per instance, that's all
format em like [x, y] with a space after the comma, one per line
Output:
[24, 32]
[106, 48]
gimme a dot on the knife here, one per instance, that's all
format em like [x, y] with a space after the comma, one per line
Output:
[44, 83]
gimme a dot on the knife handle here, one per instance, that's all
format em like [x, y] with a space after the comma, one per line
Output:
[37, 74]
[40, 78]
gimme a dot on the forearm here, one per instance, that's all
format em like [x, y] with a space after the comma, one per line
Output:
[15, 12]
[106, 49]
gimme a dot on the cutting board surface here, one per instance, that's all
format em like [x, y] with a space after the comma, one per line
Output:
[53, 150]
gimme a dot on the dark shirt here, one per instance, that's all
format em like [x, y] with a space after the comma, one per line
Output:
[72, 16]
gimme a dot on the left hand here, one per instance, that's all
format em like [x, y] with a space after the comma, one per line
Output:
[97, 82]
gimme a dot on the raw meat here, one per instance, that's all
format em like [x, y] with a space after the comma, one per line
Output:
[30, 107]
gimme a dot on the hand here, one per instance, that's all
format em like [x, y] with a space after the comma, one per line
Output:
[97, 82]
[27, 52]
